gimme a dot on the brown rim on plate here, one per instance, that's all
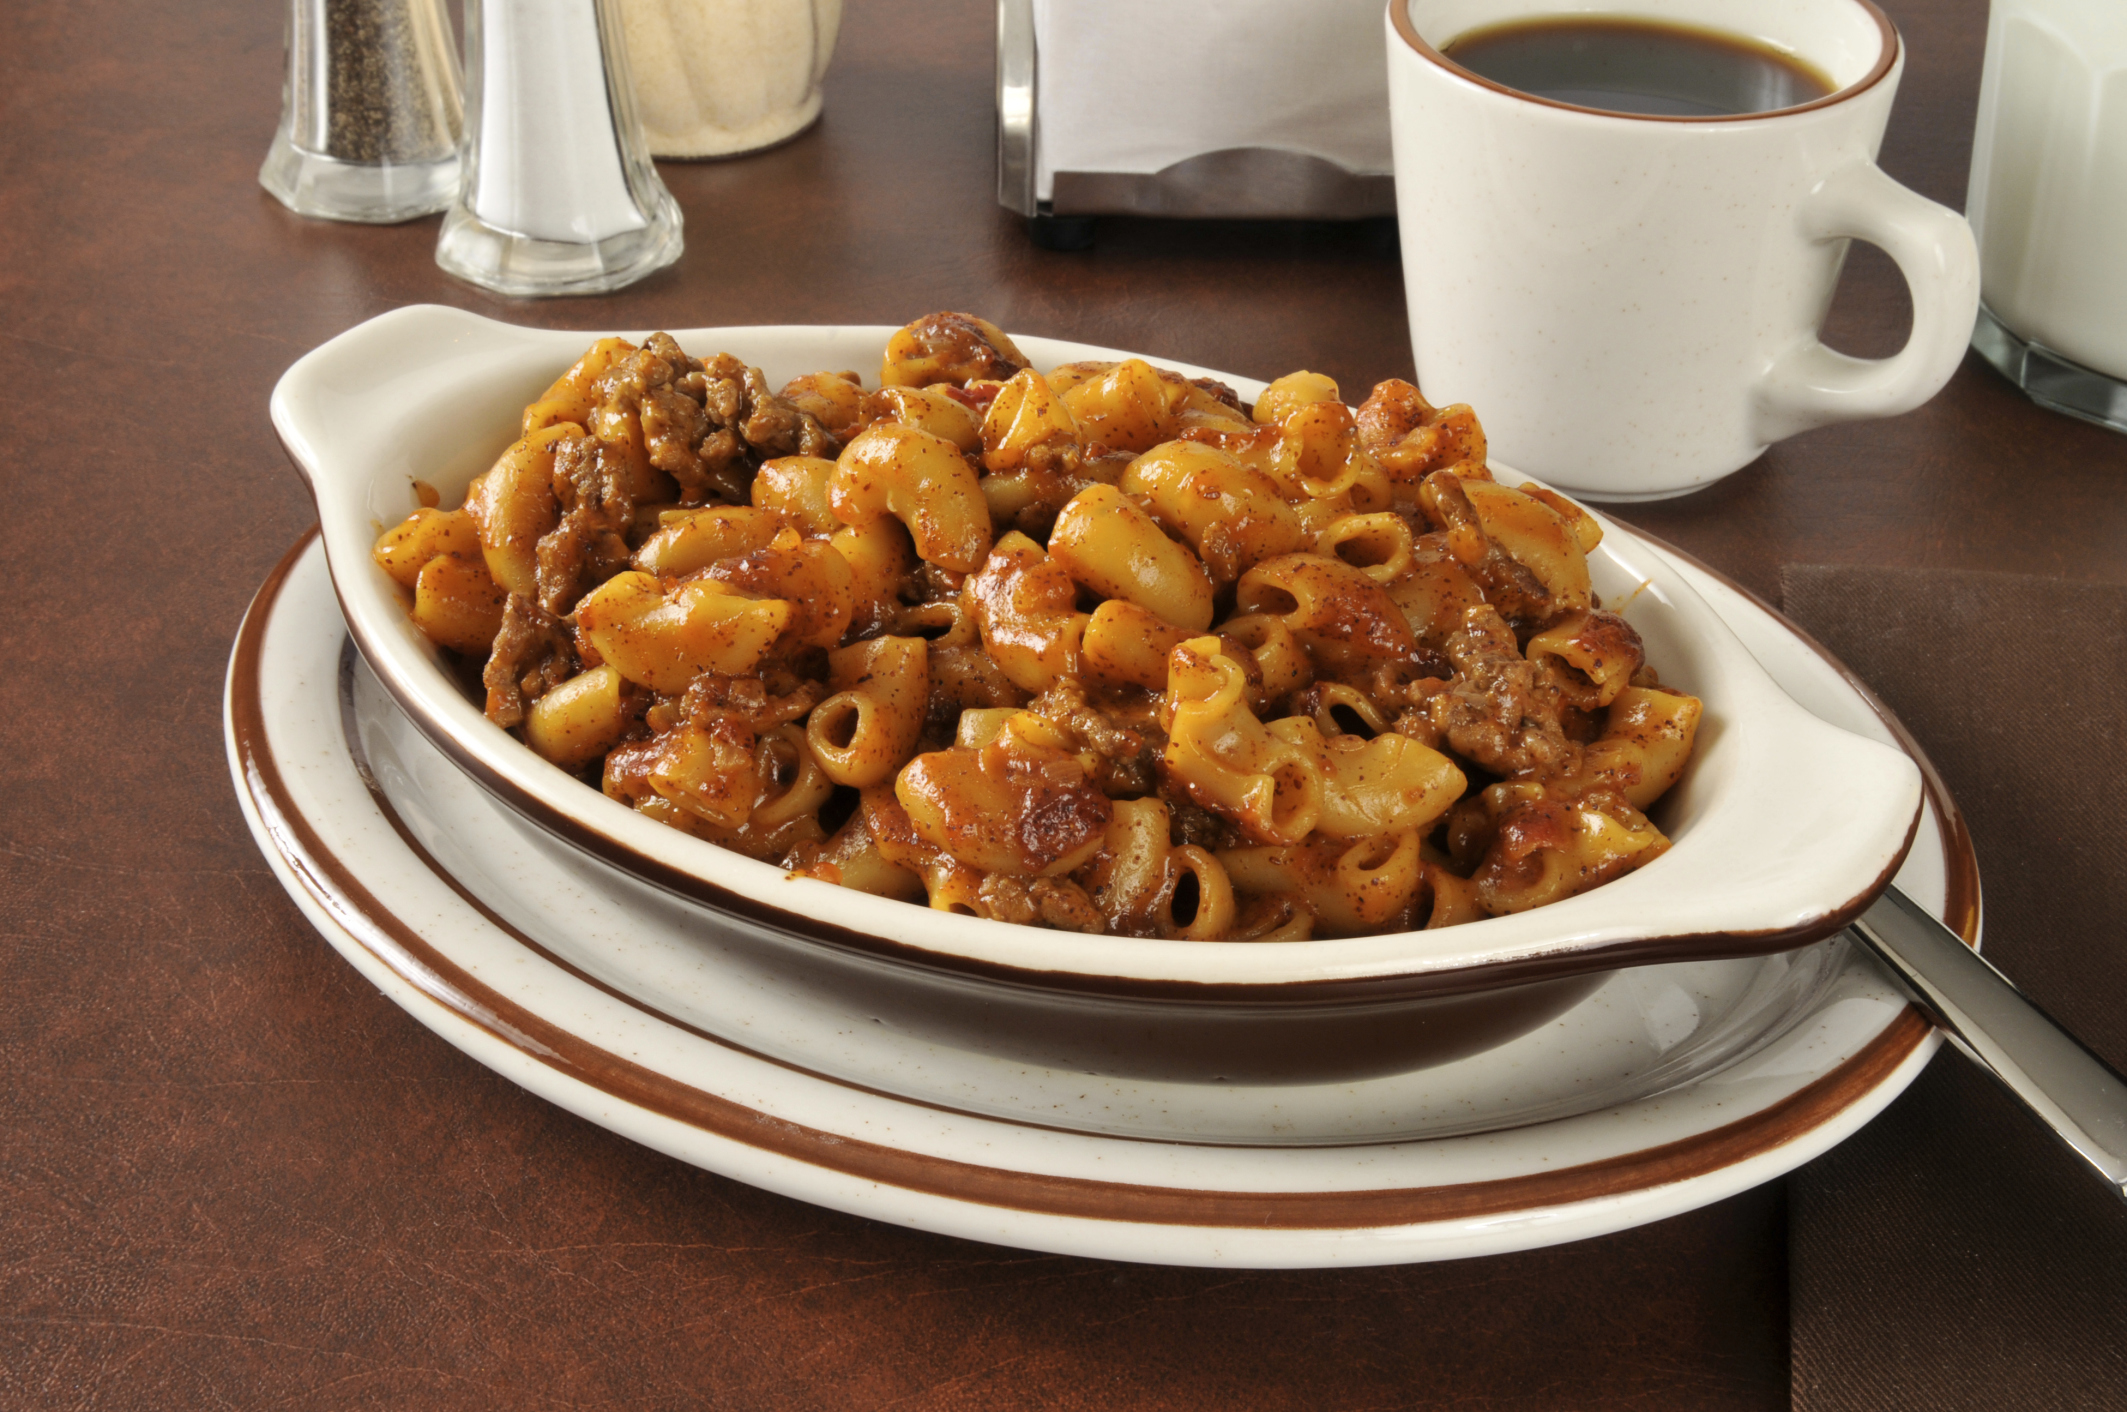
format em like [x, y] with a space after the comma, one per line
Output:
[1399, 12]
[399, 947]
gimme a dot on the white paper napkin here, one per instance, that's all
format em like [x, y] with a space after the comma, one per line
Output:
[1138, 85]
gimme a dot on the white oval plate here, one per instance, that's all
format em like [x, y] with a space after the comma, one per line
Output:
[1848, 1046]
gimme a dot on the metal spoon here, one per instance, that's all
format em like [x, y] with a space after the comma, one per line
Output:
[2049, 1071]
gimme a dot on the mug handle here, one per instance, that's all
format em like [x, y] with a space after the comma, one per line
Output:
[1811, 385]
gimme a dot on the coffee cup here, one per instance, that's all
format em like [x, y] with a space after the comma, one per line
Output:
[1631, 301]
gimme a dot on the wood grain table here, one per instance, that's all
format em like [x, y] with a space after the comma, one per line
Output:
[233, 1175]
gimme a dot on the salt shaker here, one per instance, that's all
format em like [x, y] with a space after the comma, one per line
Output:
[2048, 203]
[559, 195]
[371, 111]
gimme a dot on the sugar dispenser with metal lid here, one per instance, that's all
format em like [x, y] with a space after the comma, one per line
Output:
[559, 194]
[371, 111]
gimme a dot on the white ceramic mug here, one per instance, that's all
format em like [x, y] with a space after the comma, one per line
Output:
[1631, 303]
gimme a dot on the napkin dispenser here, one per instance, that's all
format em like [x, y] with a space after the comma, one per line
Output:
[1244, 109]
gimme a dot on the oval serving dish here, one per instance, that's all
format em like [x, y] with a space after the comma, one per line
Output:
[1784, 827]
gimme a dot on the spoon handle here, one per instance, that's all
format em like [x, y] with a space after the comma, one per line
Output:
[2050, 1072]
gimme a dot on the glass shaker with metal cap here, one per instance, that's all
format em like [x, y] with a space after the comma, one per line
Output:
[371, 111]
[559, 195]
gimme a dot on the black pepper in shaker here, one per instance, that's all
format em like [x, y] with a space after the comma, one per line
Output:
[372, 108]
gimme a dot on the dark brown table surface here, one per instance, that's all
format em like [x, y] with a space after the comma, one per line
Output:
[231, 1174]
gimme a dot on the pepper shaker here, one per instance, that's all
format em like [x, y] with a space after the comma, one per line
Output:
[559, 195]
[371, 111]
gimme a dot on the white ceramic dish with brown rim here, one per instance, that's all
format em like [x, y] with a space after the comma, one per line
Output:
[1784, 828]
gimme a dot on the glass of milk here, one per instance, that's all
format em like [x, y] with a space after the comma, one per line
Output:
[2048, 202]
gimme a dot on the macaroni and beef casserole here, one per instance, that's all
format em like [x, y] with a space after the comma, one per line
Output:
[1101, 648]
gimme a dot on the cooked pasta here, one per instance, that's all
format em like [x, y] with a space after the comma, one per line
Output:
[1103, 649]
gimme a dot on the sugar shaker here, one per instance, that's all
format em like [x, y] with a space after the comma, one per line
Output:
[714, 78]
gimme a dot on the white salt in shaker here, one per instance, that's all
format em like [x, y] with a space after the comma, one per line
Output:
[559, 195]
[2048, 202]
[718, 77]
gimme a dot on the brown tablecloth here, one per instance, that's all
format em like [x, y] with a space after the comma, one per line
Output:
[1953, 1255]
[233, 1175]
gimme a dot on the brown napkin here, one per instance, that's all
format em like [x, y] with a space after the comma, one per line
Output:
[1953, 1254]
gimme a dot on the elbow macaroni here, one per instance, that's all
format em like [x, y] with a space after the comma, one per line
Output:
[1103, 649]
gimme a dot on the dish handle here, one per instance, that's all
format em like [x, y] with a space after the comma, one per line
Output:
[1801, 799]
[435, 360]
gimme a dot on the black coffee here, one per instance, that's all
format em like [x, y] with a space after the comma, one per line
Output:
[1638, 66]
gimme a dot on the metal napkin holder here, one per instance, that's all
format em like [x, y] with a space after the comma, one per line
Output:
[1230, 183]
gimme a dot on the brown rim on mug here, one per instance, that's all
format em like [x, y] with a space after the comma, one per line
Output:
[1399, 13]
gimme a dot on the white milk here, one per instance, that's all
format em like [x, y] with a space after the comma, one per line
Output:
[2048, 198]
